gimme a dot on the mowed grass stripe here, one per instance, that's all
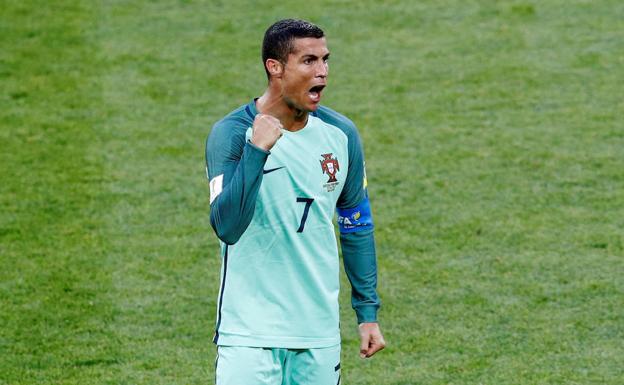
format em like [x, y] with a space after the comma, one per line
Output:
[56, 314]
[157, 227]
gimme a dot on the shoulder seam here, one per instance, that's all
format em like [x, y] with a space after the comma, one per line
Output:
[334, 118]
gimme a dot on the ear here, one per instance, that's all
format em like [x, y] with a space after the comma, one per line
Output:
[274, 67]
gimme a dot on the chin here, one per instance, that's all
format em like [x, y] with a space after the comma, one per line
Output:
[313, 106]
[307, 109]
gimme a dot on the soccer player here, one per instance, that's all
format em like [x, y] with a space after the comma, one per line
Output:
[278, 168]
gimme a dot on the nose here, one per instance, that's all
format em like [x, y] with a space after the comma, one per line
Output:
[322, 69]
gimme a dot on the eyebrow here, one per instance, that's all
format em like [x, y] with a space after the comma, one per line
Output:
[310, 56]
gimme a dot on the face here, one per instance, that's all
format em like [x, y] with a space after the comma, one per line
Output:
[305, 74]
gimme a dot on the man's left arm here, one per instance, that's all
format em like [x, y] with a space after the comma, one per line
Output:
[358, 249]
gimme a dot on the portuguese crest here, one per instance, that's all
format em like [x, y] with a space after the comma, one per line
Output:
[330, 166]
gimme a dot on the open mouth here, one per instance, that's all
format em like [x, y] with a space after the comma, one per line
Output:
[315, 92]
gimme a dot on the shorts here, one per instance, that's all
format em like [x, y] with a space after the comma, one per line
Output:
[239, 365]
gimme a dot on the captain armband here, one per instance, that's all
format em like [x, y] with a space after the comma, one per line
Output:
[355, 219]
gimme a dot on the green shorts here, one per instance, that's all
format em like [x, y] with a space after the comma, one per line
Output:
[238, 365]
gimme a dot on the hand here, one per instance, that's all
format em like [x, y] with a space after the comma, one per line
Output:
[371, 339]
[267, 130]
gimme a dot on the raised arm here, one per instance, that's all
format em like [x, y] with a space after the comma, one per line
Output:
[234, 168]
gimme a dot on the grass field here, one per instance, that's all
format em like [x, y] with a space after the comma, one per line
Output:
[495, 155]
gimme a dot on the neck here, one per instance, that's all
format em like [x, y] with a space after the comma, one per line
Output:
[272, 103]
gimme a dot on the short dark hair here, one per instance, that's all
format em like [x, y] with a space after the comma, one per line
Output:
[278, 39]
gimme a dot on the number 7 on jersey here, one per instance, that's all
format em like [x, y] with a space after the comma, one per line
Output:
[308, 203]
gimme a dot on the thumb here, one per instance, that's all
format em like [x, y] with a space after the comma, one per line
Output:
[364, 343]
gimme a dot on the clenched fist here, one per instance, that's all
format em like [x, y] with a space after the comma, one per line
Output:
[371, 339]
[267, 130]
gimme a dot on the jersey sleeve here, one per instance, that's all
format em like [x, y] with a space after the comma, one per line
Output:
[353, 192]
[234, 169]
[357, 239]
[360, 261]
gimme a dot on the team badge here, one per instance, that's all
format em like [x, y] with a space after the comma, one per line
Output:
[330, 166]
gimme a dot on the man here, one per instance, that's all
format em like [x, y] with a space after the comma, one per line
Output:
[278, 168]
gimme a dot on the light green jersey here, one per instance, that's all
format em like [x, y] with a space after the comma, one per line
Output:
[280, 278]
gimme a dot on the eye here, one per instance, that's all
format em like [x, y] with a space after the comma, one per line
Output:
[308, 61]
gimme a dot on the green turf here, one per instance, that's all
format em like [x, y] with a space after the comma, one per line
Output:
[495, 157]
